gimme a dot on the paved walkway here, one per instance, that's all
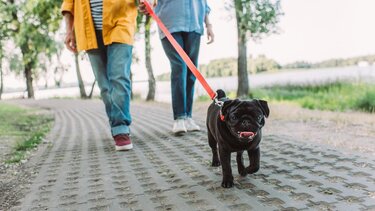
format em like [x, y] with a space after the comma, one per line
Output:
[80, 170]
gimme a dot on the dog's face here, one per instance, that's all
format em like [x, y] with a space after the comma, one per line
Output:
[245, 118]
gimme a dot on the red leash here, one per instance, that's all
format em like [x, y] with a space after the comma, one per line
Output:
[180, 51]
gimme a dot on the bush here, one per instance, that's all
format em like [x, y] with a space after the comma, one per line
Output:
[367, 102]
[337, 96]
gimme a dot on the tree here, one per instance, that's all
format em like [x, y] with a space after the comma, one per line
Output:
[1, 70]
[79, 77]
[60, 68]
[150, 72]
[33, 23]
[262, 64]
[5, 33]
[145, 21]
[255, 19]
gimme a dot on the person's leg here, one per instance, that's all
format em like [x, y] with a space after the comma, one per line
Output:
[119, 58]
[178, 77]
[98, 60]
[191, 46]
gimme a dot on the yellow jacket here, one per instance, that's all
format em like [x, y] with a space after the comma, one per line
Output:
[119, 22]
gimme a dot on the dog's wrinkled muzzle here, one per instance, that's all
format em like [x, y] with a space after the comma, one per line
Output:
[247, 135]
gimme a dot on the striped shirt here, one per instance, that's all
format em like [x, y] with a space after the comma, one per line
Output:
[97, 13]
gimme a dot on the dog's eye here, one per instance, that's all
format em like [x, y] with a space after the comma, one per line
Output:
[233, 117]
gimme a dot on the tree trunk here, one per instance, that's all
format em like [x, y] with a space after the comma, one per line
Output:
[151, 78]
[243, 81]
[79, 77]
[92, 90]
[28, 66]
[58, 76]
[1, 74]
[1, 80]
[29, 81]
[1, 70]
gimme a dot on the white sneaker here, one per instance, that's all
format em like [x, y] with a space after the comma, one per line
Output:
[191, 125]
[179, 127]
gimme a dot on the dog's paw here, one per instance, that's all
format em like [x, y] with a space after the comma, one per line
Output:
[252, 169]
[216, 163]
[242, 172]
[227, 184]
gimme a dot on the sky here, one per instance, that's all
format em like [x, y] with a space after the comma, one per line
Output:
[311, 30]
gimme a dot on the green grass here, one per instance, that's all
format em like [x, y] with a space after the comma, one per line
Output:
[24, 126]
[337, 96]
[367, 101]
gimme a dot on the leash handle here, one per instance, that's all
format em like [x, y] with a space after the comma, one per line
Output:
[180, 51]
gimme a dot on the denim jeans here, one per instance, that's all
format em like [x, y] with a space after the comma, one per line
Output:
[182, 79]
[111, 67]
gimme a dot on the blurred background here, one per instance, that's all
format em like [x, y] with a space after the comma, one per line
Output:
[315, 53]
[312, 60]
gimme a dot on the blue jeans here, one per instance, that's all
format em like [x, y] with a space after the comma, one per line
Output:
[111, 67]
[182, 79]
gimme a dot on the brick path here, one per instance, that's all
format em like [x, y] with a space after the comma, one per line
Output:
[80, 170]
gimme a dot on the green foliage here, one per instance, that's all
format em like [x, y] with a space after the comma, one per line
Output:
[30, 143]
[24, 126]
[367, 101]
[7, 25]
[8, 119]
[331, 63]
[298, 65]
[38, 20]
[15, 63]
[262, 64]
[203, 98]
[220, 68]
[337, 96]
[257, 18]
[228, 67]
[31, 25]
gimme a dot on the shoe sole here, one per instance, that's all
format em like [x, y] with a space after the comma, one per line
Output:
[124, 148]
[179, 133]
[192, 130]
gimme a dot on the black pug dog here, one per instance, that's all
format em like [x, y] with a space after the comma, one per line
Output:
[235, 127]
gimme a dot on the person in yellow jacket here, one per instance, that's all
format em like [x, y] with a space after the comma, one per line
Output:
[105, 30]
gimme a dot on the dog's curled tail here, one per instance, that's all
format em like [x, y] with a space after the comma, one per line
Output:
[220, 94]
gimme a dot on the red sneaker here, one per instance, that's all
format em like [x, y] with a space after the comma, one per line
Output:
[123, 142]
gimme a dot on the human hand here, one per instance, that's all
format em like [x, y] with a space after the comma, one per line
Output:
[70, 41]
[142, 6]
[210, 34]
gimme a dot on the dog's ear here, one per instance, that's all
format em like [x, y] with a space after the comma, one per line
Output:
[263, 105]
[227, 104]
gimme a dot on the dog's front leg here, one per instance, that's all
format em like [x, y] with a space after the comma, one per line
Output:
[227, 169]
[241, 167]
[254, 156]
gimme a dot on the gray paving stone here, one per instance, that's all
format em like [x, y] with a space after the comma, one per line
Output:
[82, 171]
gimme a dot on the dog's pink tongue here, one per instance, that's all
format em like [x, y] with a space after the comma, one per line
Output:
[246, 134]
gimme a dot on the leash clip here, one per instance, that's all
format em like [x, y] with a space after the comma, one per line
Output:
[217, 101]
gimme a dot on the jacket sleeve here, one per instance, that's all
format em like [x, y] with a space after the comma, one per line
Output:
[67, 6]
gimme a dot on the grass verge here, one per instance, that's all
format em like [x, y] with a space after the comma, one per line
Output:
[24, 126]
[336, 96]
